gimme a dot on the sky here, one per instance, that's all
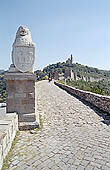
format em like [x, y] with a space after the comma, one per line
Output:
[58, 28]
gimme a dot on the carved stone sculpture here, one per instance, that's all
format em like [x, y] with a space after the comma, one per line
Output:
[23, 52]
[20, 80]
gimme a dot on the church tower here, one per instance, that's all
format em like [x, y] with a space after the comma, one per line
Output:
[71, 59]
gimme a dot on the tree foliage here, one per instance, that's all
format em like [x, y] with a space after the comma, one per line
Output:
[2, 89]
[100, 87]
[81, 70]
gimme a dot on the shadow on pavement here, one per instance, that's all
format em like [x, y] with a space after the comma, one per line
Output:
[99, 112]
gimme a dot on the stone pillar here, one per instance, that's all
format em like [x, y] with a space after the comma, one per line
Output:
[20, 80]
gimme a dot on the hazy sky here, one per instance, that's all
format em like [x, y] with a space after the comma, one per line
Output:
[58, 27]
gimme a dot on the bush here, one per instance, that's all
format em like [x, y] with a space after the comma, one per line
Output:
[46, 77]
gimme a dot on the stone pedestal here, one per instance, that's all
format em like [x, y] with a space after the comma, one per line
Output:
[20, 80]
[21, 97]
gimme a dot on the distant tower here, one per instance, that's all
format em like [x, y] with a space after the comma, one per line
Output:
[71, 58]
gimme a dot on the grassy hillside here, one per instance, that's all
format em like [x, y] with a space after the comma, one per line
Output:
[81, 70]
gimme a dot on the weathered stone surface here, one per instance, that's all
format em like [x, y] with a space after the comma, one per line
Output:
[8, 129]
[20, 79]
[20, 95]
[28, 125]
[20, 92]
[73, 135]
[27, 117]
[69, 74]
[102, 102]
[23, 37]
[23, 53]
[23, 58]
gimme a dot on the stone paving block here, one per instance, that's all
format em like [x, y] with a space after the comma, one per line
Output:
[84, 163]
[70, 161]
[15, 162]
[37, 163]
[96, 168]
[47, 162]
[57, 160]
[30, 162]
[72, 167]
[104, 167]
[46, 168]
[89, 167]
[51, 164]
[61, 165]
[108, 164]
[77, 162]
[100, 161]
[89, 158]
[30, 168]
[40, 166]
[80, 167]
[44, 158]
[95, 164]
[22, 167]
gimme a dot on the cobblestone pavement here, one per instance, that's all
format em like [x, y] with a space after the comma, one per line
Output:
[73, 135]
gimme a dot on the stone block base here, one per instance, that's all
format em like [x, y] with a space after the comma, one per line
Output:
[27, 117]
[27, 125]
[20, 89]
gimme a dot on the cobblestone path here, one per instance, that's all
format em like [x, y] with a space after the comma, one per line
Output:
[73, 135]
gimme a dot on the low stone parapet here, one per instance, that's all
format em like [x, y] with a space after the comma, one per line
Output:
[8, 129]
[101, 102]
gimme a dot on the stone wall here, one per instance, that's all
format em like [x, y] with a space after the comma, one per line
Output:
[8, 129]
[102, 102]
